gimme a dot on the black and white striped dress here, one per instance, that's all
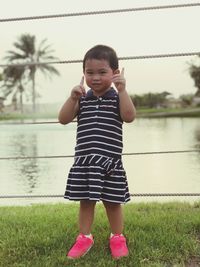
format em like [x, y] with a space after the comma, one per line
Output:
[97, 172]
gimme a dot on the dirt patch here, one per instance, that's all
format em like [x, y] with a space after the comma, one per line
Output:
[193, 262]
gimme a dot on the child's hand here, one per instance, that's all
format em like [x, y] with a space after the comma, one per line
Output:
[119, 81]
[78, 90]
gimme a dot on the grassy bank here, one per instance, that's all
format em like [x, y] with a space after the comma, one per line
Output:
[168, 112]
[27, 116]
[158, 235]
[141, 113]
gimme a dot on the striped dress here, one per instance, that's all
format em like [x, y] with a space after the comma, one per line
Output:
[97, 172]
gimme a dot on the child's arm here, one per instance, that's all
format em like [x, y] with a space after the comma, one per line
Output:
[70, 108]
[127, 108]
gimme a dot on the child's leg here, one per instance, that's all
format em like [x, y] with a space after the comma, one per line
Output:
[115, 216]
[117, 241]
[86, 216]
[83, 241]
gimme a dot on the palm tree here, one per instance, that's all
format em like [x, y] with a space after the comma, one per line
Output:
[14, 83]
[27, 52]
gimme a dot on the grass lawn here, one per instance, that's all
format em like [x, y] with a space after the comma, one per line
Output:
[158, 235]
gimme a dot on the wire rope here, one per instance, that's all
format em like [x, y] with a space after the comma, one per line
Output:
[132, 195]
[29, 123]
[123, 154]
[167, 55]
[101, 12]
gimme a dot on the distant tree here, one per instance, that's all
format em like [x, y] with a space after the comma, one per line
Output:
[195, 75]
[25, 51]
[2, 98]
[14, 83]
[150, 100]
[187, 99]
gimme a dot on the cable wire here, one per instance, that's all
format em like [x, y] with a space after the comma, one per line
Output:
[100, 12]
[123, 154]
[167, 55]
[30, 123]
[132, 195]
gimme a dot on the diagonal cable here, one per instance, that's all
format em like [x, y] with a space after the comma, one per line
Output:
[123, 154]
[132, 195]
[167, 55]
[100, 12]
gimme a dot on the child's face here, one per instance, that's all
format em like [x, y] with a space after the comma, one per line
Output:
[98, 75]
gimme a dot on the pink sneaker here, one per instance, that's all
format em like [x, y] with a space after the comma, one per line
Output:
[118, 246]
[82, 245]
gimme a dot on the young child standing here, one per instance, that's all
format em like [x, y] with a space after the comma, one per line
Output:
[97, 172]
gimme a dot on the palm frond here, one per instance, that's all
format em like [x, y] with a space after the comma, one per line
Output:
[12, 55]
[26, 43]
[49, 70]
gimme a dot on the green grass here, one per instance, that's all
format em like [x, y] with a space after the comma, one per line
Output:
[141, 112]
[158, 235]
[169, 112]
[155, 110]
[28, 116]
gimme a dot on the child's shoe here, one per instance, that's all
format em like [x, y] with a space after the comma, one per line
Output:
[118, 246]
[82, 245]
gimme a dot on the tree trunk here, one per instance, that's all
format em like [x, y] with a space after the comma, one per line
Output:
[21, 103]
[33, 93]
[21, 90]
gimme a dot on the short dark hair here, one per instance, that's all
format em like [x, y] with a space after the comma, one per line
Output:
[102, 52]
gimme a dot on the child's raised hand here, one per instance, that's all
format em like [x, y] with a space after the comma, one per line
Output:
[119, 80]
[78, 90]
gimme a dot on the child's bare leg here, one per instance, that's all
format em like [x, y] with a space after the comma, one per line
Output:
[115, 216]
[86, 216]
[117, 241]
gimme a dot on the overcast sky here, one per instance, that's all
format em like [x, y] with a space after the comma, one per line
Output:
[130, 34]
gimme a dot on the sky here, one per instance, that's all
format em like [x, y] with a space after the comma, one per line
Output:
[130, 34]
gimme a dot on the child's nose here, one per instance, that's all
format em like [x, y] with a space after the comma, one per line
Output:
[96, 77]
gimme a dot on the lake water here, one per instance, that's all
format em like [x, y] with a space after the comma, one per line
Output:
[158, 173]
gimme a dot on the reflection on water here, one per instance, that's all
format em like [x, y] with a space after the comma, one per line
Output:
[26, 170]
[162, 173]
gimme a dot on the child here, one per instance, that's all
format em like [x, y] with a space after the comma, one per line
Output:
[97, 172]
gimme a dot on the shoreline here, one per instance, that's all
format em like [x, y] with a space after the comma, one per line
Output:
[192, 112]
[141, 113]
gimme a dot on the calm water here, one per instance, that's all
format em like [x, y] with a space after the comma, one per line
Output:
[163, 173]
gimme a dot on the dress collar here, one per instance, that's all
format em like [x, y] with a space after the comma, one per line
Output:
[110, 93]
